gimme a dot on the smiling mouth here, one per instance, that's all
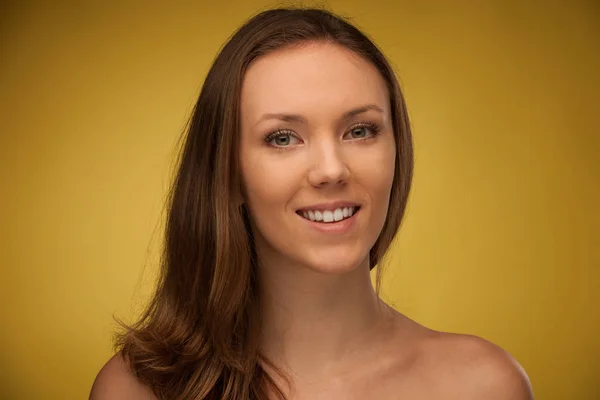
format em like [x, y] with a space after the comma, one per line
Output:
[328, 216]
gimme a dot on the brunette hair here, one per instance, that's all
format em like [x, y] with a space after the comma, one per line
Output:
[198, 337]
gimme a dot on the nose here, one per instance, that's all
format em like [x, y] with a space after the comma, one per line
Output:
[328, 166]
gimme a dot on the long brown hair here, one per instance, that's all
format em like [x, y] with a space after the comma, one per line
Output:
[198, 338]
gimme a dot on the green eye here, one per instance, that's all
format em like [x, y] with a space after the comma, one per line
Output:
[281, 139]
[362, 130]
[359, 132]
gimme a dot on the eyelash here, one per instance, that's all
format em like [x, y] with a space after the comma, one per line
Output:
[373, 127]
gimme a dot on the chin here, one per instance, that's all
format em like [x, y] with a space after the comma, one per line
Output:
[335, 262]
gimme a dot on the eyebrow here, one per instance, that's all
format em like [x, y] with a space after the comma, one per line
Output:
[299, 118]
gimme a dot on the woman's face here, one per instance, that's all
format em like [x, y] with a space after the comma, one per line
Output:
[317, 155]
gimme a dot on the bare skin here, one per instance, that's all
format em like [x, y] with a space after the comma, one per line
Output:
[417, 364]
[323, 324]
[421, 364]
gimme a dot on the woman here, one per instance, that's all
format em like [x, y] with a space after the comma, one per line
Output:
[292, 183]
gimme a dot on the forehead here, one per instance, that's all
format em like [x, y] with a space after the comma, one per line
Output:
[315, 79]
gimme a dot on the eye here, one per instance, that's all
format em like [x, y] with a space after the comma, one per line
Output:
[362, 130]
[281, 139]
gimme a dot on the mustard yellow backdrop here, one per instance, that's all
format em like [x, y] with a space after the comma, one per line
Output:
[502, 234]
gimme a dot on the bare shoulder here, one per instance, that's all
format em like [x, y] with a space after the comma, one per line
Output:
[474, 368]
[115, 381]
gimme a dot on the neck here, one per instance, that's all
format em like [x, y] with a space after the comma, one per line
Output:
[316, 325]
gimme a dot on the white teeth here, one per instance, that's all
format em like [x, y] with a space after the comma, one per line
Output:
[318, 216]
[328, 216]
[338, 215]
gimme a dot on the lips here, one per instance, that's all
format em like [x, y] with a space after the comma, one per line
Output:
[328, 215]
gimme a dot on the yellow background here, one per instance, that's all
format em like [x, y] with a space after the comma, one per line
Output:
[502, 234]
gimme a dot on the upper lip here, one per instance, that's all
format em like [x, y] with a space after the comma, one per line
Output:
[330, 206]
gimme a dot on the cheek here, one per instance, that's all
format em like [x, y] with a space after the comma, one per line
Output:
[375, 171]
[269, 186]
[385, 173]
